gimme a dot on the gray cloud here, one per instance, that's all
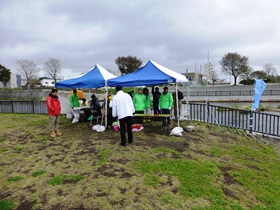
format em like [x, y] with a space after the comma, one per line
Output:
[176, 34]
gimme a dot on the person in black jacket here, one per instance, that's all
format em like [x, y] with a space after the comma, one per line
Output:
[180, 97]
[156, 96]
[94, 105]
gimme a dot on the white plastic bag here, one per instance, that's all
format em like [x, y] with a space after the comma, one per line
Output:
[98, 128]
[75, 120]
[177, 131]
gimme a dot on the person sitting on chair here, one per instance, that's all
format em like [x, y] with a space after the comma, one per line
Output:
[94, 106]
[84, 102]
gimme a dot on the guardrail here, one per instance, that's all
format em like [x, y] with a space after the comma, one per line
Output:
[264, 123]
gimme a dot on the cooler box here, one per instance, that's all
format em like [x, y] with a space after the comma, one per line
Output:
[137, 127]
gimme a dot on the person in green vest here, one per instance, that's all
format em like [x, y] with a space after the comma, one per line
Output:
[74, 100]
[148, 103]
[165, 104]
[139, 101]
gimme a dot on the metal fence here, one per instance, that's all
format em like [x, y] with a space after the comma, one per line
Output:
[235, 118]
[232, 93]
[35, 107]
[264, 123]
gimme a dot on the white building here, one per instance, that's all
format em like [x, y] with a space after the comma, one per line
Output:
[46, 82]
[15, 82]
[208, 67]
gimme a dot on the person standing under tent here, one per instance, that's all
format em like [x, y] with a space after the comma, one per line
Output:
[74, 100]
[54, 109]
[123, 108]
[180, 97]
[156, 96]
[148, 102]
[80, 94]
[165, 104]
[139, 101]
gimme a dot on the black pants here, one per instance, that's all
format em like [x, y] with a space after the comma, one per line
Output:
[109, 119]
[165, 111]
[125, 124]
[156, 110]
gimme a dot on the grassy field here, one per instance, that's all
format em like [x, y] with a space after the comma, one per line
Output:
[210, 168]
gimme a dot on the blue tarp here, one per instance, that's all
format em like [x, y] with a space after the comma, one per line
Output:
[150, 74]
[94, 78]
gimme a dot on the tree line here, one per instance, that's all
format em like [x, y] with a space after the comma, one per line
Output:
[231, 64]
[238, 66]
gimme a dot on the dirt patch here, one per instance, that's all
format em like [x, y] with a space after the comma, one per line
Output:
[228, 179]
[228, 192]
[26, 205]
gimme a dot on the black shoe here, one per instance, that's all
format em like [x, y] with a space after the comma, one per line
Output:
[130, 143]
[123, 145]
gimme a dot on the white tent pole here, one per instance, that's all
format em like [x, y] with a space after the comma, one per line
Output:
[176, 90]
[106, 103]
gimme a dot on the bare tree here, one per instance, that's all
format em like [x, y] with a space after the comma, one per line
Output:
[52, 67]
[28, 69]
[213, 76]
[270, 69]
[234, 64]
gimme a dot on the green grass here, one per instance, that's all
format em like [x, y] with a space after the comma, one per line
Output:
[195, 177]
[60, 179]
[215, 151]
[6, 205]
[14, 178]
[104, 155]
[19, 148]
[167, 150]
[44, 138]
[210, 168]
[38, 173]
[253, 173]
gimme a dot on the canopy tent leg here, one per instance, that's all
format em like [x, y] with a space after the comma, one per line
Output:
[177, 116]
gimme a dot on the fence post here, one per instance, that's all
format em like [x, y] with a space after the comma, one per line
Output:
[251, 121]
[207, 114]
[33, 104]
[12, 104]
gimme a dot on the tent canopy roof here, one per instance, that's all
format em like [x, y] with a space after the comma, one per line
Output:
[151, 73]
[94, 78]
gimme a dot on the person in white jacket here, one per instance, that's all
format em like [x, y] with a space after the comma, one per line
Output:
[123, 108]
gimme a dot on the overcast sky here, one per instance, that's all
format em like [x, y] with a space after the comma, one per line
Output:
[176, 34]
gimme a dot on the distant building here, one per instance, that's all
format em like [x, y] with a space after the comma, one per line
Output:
[194, 78]
[46, 82]
[208, 67]
[15, 82]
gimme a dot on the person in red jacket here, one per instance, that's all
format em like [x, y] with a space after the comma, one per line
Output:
[54, 108]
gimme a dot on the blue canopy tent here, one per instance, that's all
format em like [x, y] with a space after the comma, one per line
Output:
[151, 73]
[96, 77]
